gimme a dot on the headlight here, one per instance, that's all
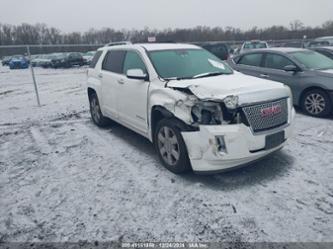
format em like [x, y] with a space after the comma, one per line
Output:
[207, 113]
[231, 102]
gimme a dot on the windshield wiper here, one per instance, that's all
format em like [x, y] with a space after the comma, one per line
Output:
[209, 74]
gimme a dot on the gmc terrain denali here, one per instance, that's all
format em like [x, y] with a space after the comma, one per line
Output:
[196, 110]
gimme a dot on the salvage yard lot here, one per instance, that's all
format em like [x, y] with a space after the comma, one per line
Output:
[64, 179]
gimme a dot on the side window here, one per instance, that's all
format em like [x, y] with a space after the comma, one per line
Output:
[276, 61]
[113, 61]
[133, 61]
[95, 59]
[251, 60]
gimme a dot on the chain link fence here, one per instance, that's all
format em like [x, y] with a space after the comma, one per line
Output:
[28, 50]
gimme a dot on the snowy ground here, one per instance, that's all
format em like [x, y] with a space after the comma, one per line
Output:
[63, 179]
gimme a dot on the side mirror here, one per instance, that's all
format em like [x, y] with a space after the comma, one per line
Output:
[291, 68]
[136, 74]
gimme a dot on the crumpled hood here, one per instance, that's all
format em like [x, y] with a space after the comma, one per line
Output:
[248, 89]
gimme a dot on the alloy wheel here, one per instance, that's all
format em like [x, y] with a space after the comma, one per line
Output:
[315, 103]
[95, 109]
[168, 145]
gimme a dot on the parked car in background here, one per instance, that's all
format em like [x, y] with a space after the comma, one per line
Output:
[34, 58]
[219, 49]
[88, 56]
[315, 44]
[327, 51]
[308, 74]
[325, 40]
[67, 60]
[292, 44]
[46, 62]
[255, 44]
[18, 62]
[38, 60]
[197, 111]
[5, 60]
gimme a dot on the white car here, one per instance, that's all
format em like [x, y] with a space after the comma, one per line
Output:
[255, 44]
[198, 112]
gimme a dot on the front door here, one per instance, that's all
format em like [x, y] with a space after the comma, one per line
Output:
[132, 94]
[250, 64]
[274, 70]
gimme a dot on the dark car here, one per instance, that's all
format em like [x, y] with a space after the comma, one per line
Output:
[219, 49]
[18, 62]
[68, 60]
[308, 74]
[327, 51]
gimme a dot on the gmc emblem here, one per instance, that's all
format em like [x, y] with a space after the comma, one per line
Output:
[270, 111]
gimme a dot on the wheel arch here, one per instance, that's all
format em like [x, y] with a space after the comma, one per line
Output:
[159, 112]
[311, 88]
[91, 91]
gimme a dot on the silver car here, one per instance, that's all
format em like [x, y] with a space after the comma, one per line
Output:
[308, 74]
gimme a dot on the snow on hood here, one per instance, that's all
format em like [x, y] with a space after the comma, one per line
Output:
[248, 89]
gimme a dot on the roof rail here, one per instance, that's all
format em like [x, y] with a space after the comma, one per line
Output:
[110, 44]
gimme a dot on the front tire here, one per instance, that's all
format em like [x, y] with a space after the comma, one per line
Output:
[317, 103]
[170, 147]
[96, 113]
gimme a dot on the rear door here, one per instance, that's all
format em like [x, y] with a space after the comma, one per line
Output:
[111, 74]
[250, 64]
[132, 94]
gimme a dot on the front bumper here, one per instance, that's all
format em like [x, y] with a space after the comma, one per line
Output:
[242, 146]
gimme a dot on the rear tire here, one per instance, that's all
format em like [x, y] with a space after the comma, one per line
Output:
[96, 113]
[316, 103]
[170, 147]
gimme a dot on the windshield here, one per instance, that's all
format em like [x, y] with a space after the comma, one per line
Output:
[90, 53]
[187, 63]
[254, 45]
[313, 60]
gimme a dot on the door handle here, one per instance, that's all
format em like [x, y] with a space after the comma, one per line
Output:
[100, 75]
[121, 81]
[264, 75]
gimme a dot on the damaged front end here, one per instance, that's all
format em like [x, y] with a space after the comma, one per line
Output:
[232, 126]
[196, 112]
[208, 112]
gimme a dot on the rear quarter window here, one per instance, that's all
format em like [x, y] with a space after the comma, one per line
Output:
[114, 61]
[95, 59]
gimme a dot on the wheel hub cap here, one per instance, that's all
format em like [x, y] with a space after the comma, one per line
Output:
[315, 103]
[95, 109]
[168, 145]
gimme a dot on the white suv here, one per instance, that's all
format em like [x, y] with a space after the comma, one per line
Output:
[197, 111]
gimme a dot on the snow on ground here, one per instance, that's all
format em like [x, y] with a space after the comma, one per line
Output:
[64, 179]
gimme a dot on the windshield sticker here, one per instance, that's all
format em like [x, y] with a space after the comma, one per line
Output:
[216, 64]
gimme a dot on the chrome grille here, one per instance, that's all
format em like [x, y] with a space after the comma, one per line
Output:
[265, 116]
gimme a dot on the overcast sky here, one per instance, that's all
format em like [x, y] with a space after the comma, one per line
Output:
[80, 15]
